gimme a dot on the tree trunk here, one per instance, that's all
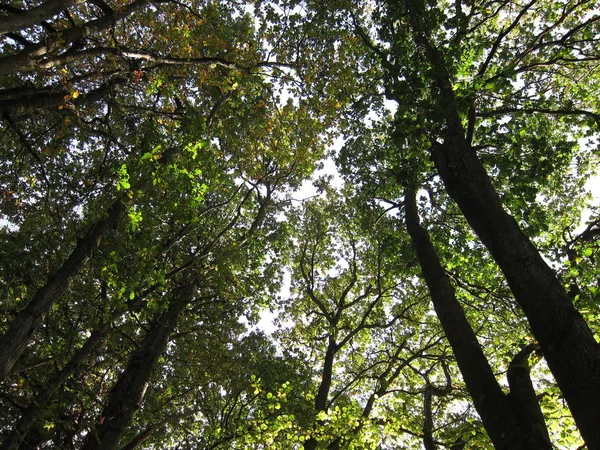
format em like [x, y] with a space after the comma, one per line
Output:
[523, 398]
[34, 16]
[14, 105]
[143, 436]
[22, 327]
[30, 419]
[324, 387]
[492, 405]
[567, 343]
[126, 396]
[29, 58]
[428, 441]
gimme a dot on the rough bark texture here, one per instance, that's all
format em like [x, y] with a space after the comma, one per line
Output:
[30, 419]
[502, 424]
[14, 341]
[489, 400]
[127, 395]
[567, 343]
[34, 16]
[523, 397]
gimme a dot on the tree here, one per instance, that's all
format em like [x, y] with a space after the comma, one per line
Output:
[512, 421]
[567, 342]
[149, 157]
[167, 209]
[435, 75]
[356, 323]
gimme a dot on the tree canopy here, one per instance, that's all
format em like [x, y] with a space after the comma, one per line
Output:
[442, 294]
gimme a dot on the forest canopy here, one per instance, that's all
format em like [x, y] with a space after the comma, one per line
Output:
[444, 293]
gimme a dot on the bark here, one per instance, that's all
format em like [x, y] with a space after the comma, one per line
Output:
[567, 342]
[523, 397]
[34, 16]
[492, 405]
[13, 103]
[428, 441]
[143, 436]
[31, 58]
[324, 387]
[431, 391]
[127, 395]
[30, 418]
[15, 340]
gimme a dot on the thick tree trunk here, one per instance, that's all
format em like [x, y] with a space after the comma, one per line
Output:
[492, 405]
[14, 105]
[14, 341]
[127, 395]
[567, 342]
[523, 398]
[489, 400]
[32, 56]
[30, 418]
[34, 16]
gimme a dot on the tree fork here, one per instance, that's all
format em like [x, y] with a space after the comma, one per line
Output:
[568, 344]
[523, 397]
[499, 420]
[14, 341]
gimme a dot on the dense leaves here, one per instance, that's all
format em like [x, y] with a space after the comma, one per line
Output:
[166, 283]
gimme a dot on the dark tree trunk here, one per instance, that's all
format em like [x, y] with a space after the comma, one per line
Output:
[126, 396]
[14, 341]
[30, 419]
[34, 16]
[567, 342]
[143, 436]
[33, 55]
[523, 398]
[14, 105]
[428, 441]
[492, 405]
[324, 387]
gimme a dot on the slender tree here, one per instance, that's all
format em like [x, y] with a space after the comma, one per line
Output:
[568, 344]
[505, 417]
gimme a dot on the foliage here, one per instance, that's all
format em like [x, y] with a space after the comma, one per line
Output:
[179, 134]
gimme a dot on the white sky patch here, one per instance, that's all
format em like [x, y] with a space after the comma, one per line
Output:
[308, 189]
[592, 186]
